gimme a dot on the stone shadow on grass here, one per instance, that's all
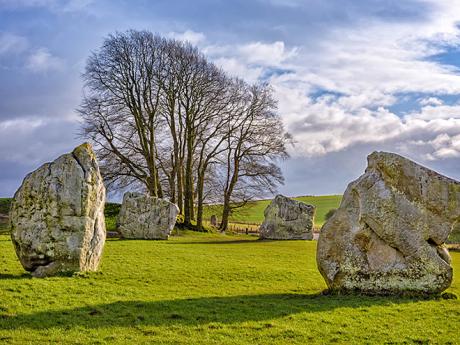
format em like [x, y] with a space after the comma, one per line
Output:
[192, 312]
[5, 276]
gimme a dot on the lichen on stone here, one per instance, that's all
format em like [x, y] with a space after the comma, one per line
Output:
[57, 215]
[389, 232]
[287, 219]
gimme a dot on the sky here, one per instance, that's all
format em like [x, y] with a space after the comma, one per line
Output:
[350, 76]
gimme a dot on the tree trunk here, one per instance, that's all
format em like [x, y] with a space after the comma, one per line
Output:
[228, 194]
[151, 186]
[200, 197]
[188, 190]
[158, 187]
[225, 214]
[172, 186]
[180, 187]
[192, 200]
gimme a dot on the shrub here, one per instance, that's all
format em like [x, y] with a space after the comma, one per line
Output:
[5, 205]
[329, 213]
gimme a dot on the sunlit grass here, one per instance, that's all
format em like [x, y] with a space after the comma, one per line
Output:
[210, 289]
[253, 212]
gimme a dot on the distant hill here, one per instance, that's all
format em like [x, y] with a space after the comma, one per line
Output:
[253, 212]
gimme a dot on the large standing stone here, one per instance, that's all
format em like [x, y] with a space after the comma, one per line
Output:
[57, 216]
[287, 219]
[146, 217]
[388, 234]
[214, 220]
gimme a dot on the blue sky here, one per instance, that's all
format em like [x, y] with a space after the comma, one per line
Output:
[350, 76]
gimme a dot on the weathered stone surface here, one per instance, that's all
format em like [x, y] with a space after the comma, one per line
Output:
[214, 220]
[388, 234]
[287, 219]
[146, 217]
[57, 216]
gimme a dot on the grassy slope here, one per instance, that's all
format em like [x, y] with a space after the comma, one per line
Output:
[210, 289]
[253, 212]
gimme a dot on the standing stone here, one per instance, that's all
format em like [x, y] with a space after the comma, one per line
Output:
[57, 216]
[146, 217]
[287, 219]
[214, 220]
[388, 234]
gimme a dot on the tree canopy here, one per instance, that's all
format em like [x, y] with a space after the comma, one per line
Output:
[166, 120]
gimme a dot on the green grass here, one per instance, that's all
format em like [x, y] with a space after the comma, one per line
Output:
[210, 289]
[111, 211]
[253, 212]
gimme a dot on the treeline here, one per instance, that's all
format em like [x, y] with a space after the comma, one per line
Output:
[165, 119]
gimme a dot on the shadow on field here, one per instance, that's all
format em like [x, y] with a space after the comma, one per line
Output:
[195, 311]
[15, 276]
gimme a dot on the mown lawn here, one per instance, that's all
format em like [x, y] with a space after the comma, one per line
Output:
[210, 289]
[253, 212]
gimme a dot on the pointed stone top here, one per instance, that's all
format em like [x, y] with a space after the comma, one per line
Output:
[84, 148]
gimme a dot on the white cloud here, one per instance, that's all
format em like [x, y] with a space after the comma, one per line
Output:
[324, 127]
[20, 125]
[364, 69]
[431, 101]
[189, 35]
[431, 112]
[48, 142]
[271, 54]
[237, 68]
[11, 43]
[42, 61]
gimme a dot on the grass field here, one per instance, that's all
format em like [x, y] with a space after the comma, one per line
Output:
[210, 289]
[253, 212]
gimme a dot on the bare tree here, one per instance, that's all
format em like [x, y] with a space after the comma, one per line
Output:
[253, 148]
[121, 108]
[166, 120]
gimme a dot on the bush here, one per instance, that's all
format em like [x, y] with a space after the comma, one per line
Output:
[5, 205]
[111, 212]
[329, 213]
